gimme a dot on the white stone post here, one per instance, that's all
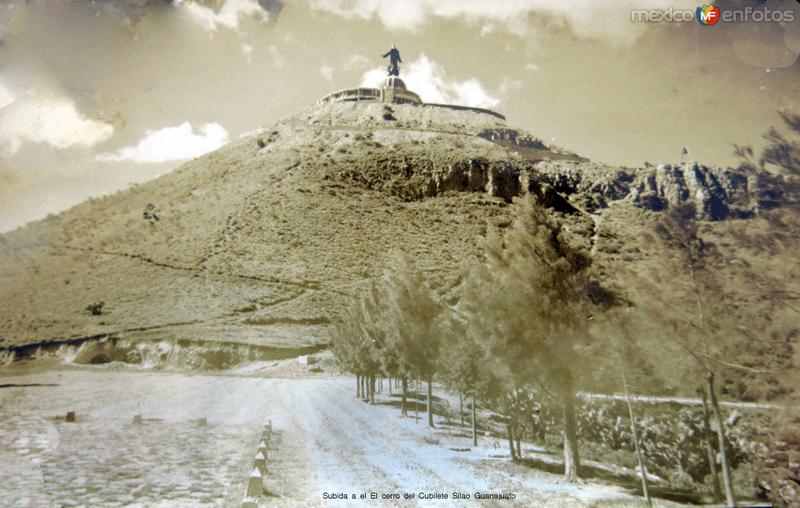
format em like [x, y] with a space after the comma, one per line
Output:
[260, 463]
[255, 487]
[263, 450]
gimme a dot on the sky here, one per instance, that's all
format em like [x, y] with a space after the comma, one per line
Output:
[97, 96]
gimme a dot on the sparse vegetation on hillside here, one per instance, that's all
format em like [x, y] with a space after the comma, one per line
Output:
[778, 172]
[528, 307]
[686, 306]
[264, 241]
[524, 312]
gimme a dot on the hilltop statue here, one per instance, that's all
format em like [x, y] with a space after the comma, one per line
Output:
[394, 61]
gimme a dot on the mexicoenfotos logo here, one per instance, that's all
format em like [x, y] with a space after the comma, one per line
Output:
[707, 14]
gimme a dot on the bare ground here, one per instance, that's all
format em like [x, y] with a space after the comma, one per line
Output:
[325, 441]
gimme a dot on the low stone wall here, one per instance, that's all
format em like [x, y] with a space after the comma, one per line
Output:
[672, 438]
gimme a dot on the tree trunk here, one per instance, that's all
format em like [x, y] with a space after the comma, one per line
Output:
[710, 451]
[390, 386]
[364, 389]
[358, 386]
[571, 458]
[510, 431]
[416, 396]
[536, 428]
[541, 425]
[403, 410]
[461, 407]
[430, 404]
[542, 429]
[726, 468]
[372, 389]
[517, 428]
[474, 425]
[639, 456]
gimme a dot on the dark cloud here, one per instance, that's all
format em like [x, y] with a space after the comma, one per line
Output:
[134, 10]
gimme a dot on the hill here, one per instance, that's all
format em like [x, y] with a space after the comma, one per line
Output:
[260, 243]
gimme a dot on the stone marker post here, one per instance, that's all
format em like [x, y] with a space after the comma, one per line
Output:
[254, 485]
[260, 463]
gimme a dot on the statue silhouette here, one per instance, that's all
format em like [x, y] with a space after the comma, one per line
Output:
[394, 61]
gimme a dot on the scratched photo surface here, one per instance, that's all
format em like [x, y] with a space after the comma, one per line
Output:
[377, 253]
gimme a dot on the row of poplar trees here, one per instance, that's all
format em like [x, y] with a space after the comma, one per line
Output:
[529, 320]
[519, 325]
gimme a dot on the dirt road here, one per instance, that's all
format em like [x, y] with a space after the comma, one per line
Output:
[326, 442]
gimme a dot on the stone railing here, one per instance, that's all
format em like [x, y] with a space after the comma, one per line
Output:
[255, 480]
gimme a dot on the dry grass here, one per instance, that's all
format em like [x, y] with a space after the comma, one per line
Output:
[264, 240]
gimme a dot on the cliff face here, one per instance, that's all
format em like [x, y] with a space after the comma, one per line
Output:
[262, 241]
[717, 193]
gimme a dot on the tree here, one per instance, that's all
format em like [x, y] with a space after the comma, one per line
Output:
[370, 322]
[357, 342]
[412, 319]
[703, 331]
[344, 345]
[721, 308]
[780, 151]
[624, 354]
[527, 305]
[465, 369]
[776, 173]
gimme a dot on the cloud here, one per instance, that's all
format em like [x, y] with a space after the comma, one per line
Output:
[587, 18]
[532, 67]
[48, 119]
[6, 96]
[356, 61]
[508, 84]
[171, 144]
[431, 82]
[404, 15]
[247, 51]
[228, 16]
[277, 57]
[327, 72]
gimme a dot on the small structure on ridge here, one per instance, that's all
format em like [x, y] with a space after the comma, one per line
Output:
[394, 91]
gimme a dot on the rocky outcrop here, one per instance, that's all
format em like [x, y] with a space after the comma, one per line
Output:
[514, 162]
[716, 192]
[512, 137]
